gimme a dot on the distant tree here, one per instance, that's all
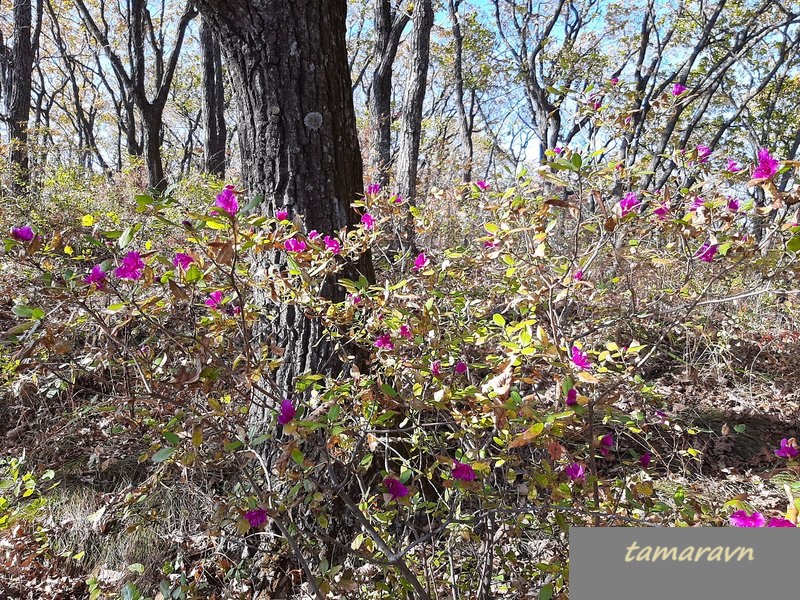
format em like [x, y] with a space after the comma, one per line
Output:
[216, 136]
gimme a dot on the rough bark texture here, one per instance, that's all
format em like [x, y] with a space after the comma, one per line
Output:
[216, 133]
[413, 99]
[288, 65]
[464, 120]
[16, 88]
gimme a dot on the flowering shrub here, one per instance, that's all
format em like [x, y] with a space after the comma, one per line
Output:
[507, 387]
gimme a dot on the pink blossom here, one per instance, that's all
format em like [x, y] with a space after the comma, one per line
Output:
[287, 412]
[182, 260]
[741, 519]
[397, 199]
[580, 359]
[678, 89]
[368, 221]
[313, 234]
[214, 300]
[578, 275]
[703, 152]
[788, 449]
[614, 80]
[697, 202]
[226, 200]
[558, 150]
[482, 185]
[460, 367]
[767, 165]
[733, 166]
[405, 331]
[22, 234]
[491, 244]
[628, 204]
[384, 341]
[773, 522]
[294, 245]
[354, 298]
[332, 244]
[395, 488]
[374, 189]
[436, 368]
[706, 252]
[661, 211]
[733, 204]
[96, 277]
[256, 517]
[131, 267]
[606, 444]
[572, 397]
[463, 472]
[576, 472]
[421, 261]
[282, 214]
[645, 459]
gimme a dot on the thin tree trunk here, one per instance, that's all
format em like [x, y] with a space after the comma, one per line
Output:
[458, 75]
[213, 103]
[413, 99]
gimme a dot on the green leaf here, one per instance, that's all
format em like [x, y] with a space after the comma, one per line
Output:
[162, 454]
[297, 456]
[499, 320]
[546, 592]
[793, 245]
[129, 592]
[172, 438]
[389, 390]
[194, 274]
[127, 236]
[576, 161]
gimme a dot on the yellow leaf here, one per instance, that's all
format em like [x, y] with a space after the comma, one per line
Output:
[68, 250]
[528, 436]
[587, 377]
[87, 220]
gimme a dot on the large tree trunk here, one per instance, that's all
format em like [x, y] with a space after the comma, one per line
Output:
[413, 99]
[152, 122]
[18, 69]
[297, 134]
[216, 133]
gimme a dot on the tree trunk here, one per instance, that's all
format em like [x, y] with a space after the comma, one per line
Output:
[458, 75]
[413, 99]
[297, 137]
[152, 123]
[17, 91]
[213, 103]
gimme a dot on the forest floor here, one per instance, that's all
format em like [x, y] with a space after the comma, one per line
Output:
[734, 410]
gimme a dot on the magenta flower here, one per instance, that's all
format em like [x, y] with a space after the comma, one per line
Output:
[595, 102]
[374, 189]
[606, 444]
[384, 341]
[733, 166]
[256, 517]
[354, 298]
[706, 252]
[397, 199]
[614, 80]
[22, 234]
[645, 459]
[576, 472]
[131, 267]
[773, 522]
[97, 277]
[678, 89]
[460, 367]
[697, 202]
[580, 359]
[767, 165]
[491, 244]
[282, 214]
[578, 275]
[436, 368]
[405, 331]
[741, 519]
[421, 261]
[395, 488]
[226, 200]
[368, 221]
[733, 204]
[294, 245]
[788, 449]
[482, 185]
[703, 152]
[572, 397]
[214, 300]
[463, 472]
[558, 150]
[287, 412]
[332, 244]
[661, 211]
[182, 260]
[628, 204]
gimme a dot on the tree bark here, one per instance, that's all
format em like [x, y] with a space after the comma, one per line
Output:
[413, 99]
[213, 103]
[297, 134]
[464, 121]
[16, 87]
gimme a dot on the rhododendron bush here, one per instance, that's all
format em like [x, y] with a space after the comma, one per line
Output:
[492, 391]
